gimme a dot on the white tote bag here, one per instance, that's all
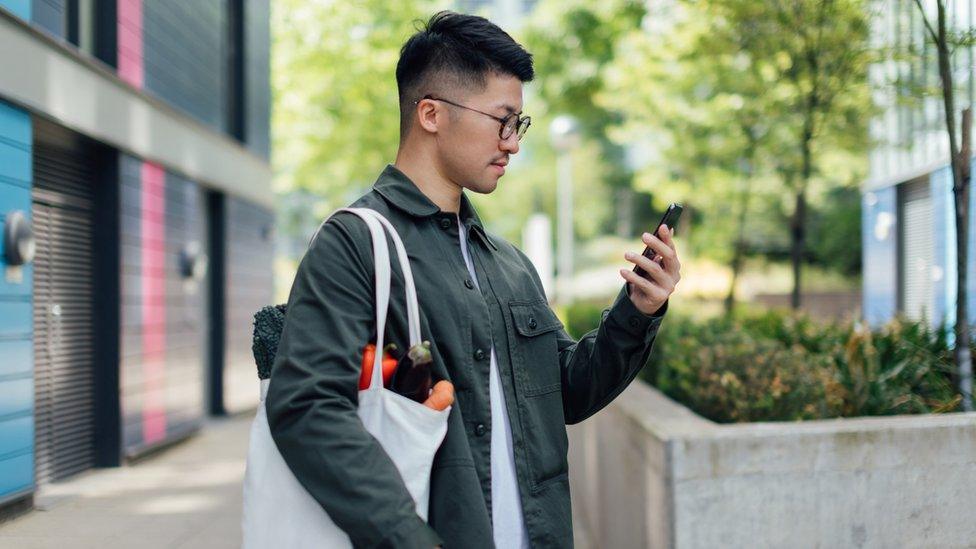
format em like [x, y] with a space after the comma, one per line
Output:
[278, 512]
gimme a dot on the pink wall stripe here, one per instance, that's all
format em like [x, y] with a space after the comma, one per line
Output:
[153, 278]
[130, 42]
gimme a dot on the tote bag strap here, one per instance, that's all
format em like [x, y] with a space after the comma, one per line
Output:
[410, 289]
[381, 259]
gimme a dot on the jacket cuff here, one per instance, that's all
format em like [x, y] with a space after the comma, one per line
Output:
[625, 315]
[410, 534]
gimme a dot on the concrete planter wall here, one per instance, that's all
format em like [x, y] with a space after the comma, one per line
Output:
[648, 472]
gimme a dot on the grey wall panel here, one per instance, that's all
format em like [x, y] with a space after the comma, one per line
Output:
[186, 319]
[183, 55]
[249, 286]
[130, 357]
[257, 76]
[50, 15]
[178, 307]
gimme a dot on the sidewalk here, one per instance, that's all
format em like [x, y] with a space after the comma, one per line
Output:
[188, 496]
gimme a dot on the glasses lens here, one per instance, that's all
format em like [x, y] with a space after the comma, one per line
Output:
[509, 126]
[524, 127]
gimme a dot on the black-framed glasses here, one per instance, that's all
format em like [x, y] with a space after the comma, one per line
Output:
[513, 123]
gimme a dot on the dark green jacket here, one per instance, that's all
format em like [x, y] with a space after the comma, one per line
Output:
[549, 379]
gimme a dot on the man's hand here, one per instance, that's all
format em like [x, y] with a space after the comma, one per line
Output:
[651, 291]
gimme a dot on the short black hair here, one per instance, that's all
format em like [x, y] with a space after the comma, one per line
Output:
[456, 50]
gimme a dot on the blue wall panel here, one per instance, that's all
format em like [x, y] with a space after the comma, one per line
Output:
[971, 283]
[18, 434]
[879, 234]
[13, 471]
[944, 281]
[16, 332]
[18, 359]
[16, 397]
[22, 9]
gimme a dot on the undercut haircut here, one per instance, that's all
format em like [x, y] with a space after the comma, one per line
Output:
[454, 51]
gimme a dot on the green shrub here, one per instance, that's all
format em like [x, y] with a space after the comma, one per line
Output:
[583, 316]
[776, 366]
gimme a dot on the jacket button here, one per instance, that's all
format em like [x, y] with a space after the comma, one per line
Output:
[479, 355]
[480, 430]
[469, 284]
[445, 223]
[532, 323]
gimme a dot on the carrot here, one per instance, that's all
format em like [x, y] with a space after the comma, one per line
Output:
[369, 354]
[441, 396]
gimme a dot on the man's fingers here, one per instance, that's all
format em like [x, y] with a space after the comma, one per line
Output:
[649, 288]
[658, 245]
[672, 265]
[666, 235]
[652, 268]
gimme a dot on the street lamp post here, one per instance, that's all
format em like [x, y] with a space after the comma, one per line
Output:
[564, 132]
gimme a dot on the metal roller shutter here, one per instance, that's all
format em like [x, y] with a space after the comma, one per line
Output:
[63, 323]
[917, 240]
[248, 277]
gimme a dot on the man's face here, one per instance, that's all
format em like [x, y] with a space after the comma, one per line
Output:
[472, 154]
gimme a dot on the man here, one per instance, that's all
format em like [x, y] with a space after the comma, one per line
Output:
[500, 476]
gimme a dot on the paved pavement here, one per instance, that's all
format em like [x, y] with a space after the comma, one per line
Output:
[187, 496]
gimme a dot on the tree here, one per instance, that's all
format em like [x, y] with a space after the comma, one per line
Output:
[573, 42]
[336, 114]
[946, 41]
[820, 51]
[727, 108]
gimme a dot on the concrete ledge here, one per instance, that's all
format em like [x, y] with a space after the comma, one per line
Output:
[648, 472]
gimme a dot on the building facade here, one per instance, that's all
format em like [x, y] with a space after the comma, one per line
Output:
[134, 144]
[908, 220]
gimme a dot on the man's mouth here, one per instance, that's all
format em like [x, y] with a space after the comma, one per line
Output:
[500, 165]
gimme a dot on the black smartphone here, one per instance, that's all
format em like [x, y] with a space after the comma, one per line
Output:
[670, 219]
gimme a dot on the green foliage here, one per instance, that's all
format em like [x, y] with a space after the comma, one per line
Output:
[336, 113]
[572, 43]
[583, 316]
[835, 231]
[774, 366]
[745, 103]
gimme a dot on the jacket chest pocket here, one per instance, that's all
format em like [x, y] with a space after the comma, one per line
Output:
[536, 348]
[541, 407]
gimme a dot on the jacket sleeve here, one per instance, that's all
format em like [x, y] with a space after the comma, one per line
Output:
[313, 395]
[602, 363]
[598, 367]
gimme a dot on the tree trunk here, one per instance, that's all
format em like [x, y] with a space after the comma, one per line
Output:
[739, 246]
[799, 224]
[798, 232]
[960, 159]
[962, 353]
[960, 192]
[736, 265]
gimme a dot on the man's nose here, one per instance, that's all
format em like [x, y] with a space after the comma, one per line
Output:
[511, 144]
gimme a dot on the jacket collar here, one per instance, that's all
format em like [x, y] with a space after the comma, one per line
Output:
[403, 194]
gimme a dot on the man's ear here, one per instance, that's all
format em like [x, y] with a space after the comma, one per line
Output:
[430, 115]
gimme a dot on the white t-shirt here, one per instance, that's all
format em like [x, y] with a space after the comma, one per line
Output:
[507, 525]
